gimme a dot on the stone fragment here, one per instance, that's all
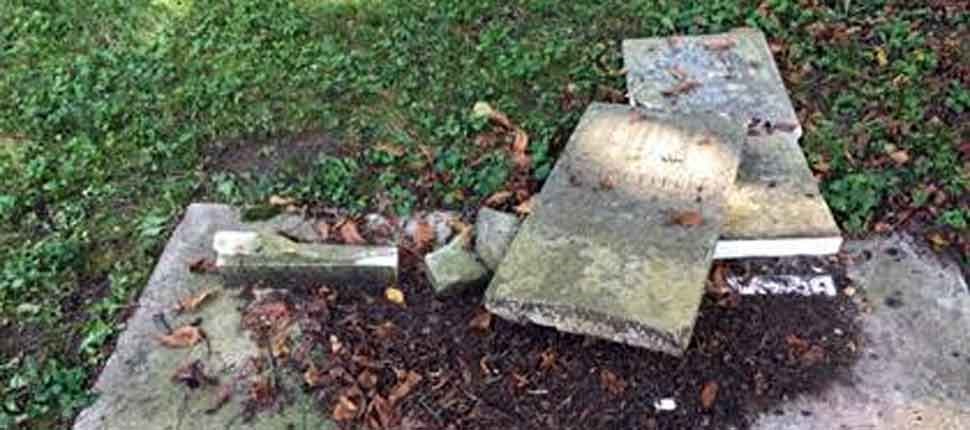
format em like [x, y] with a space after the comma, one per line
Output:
[913, 370]
[600, 254]
[776, 208]
[251, 257]
[135, 386]
[441, 222]
[494, 231]
[454, 267]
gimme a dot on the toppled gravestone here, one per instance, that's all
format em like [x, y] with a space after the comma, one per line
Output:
[454, 267]
[914, 367]
[494, 232]
[136, 386]
[263, 257]
[775, 208]
[621, 236]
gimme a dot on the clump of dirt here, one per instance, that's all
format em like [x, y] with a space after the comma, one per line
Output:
[434, 363]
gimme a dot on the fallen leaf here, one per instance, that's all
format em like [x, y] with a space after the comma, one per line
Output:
[882, 227]
[261, 390]
[611, 382]
[193, 375]
[385, 330]
[323, 230]
[485, 110]
[424, 235]
[335, 344]
[202, 265]
[391, 148]
[182, 337]
[345, 410]
[881, 58]
[938, 240]
[682, 88]
[481, 321]
[367, 379]
[900, 157]
[547, 359]
[718, 286]
[709, 394]
[280, 201]
[280, 347]
[404, 387]
[719, 43]
[849, 291]
[349, 233]
[821, 166]
[313, 376]
[191, 303]
[498, 198]
[525, 207]
[521, 142]
[395, 296]
[689, 218]
[381, 414]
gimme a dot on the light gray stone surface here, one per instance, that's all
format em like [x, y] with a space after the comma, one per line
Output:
[600, 254]
[776, 208]
[135, 386]
[266, 257]
[454, 267]
[494, 232]
[914, 372]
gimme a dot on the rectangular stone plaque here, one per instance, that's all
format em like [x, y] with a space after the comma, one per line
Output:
[776, 208]
[614, 247]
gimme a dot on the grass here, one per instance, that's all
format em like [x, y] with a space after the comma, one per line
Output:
[108, 107]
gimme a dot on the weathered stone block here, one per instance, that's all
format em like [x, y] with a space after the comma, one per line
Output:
[603, 252]
[136, 388]
[250, 257]
[454, 267]
[494, 232]
[776, 208]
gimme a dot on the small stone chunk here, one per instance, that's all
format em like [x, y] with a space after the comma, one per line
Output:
[247, 257]
[494, 232]
[454, 268]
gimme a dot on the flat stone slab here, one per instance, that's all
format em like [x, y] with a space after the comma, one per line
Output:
[776, 208]
[914, 370]
[603, 252]
[136, 388]
[266, 257]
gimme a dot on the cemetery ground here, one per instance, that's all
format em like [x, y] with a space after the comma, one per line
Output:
[116, 115]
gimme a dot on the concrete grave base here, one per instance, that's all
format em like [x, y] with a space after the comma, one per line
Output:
[914, 372]
[136, 390]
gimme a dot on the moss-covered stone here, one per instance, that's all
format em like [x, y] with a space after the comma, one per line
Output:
[494, 232]
[600, 254]
[454, 268]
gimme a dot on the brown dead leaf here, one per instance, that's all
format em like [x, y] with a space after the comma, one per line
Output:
[323, 230]
[313, 376]
[688, 218]
[391, 148]
[803, 351]
[335, 344]
[395, 296]
[345, 410]
[682, 88]
[611, 382]
[404, 386]
[938, 240]
[385, 330]
[719, 43]
[547, 359]
[191, 303]
[349, 233]
[424, 235]
[202, 265]
[481, 321]
[525, 207]
[280, 346]
[380, 414]
[367, 379]
[709, 394]
[498, 198]
[900, 156]
[183, 337]
[717, 286]
[261, 390]
[521, 143]
[486, 110]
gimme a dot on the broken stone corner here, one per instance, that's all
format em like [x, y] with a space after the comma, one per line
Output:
[454, 267]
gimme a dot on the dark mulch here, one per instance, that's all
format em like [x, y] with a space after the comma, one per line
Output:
[443, 364]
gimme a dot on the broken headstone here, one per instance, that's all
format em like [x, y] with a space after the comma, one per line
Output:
[249, 257]
[621, 238]
[494, 231]
[454, 267]
[775, 208]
